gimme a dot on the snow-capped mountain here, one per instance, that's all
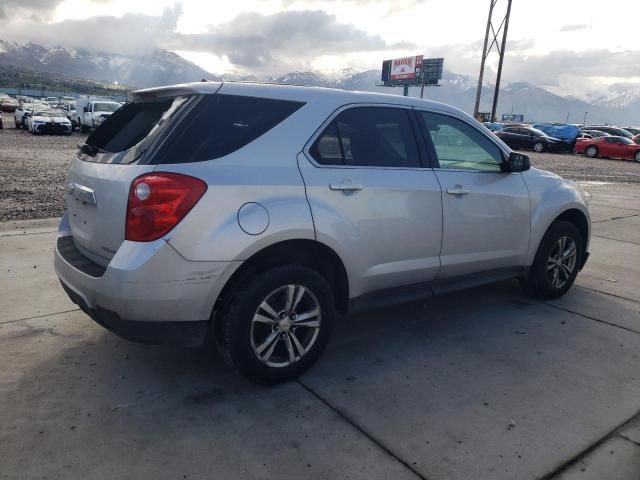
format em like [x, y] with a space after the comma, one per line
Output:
[156, 68]
[162, 67]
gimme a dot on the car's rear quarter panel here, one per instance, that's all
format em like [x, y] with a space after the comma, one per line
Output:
[265, 172]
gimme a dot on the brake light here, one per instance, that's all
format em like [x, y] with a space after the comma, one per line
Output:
[158, 202]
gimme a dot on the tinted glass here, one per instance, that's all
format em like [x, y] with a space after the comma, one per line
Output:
[510, 130]
[369, 137]
[131, 124]
[221, 124]
[327, 149]
[459, 145]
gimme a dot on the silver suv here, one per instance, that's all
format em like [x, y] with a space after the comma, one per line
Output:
[258, 213]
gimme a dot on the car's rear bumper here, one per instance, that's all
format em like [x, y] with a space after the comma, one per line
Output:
[146, 293]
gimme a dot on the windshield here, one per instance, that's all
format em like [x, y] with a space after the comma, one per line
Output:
[625, 133]
[105, 107]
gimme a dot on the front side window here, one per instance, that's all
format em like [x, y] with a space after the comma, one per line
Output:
[458, 145]
[368, 137]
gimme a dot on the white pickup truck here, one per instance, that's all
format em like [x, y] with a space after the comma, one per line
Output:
[92, 111]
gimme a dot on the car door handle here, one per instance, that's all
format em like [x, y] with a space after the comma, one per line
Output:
[346, 186]
[458, 190]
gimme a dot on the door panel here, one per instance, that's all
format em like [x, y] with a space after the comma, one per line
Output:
[486, 213]
[486, 228]
[372, 201]
[387, 232]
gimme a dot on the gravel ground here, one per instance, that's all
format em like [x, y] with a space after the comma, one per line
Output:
[33, 171]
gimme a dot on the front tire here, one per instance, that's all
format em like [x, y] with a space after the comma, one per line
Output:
[557, 262]
[277, 325]
[591, 151]
[636, 157]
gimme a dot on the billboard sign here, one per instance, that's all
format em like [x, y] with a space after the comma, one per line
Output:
[402, 69]
[414, 70]
[512, 117]
[405, 68]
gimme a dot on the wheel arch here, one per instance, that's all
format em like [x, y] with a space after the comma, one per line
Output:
[310, 253]
[574, 216]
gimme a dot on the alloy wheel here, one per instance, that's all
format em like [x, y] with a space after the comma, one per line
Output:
[562, 262]
[285, 326]
[591, 152]
[538, 147]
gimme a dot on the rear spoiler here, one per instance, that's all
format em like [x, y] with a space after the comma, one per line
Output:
[176, 90]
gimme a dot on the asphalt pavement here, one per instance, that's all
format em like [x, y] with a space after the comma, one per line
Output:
[481, 384]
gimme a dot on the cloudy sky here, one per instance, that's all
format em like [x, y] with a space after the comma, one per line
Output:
[578, 47]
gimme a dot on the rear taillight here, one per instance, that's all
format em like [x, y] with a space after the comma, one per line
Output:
[157, 203]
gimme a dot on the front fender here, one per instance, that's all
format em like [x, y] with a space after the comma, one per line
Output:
[551, 196]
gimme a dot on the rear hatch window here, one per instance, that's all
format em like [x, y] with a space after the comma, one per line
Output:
[129, 132]
[221, 124]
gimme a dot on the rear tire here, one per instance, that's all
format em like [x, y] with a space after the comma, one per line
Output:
[557, 262]
[637, 156]
[84, 128]
[538, 147]
[266, 338]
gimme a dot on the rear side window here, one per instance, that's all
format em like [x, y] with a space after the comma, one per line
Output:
[368, 137]
[130, 124]
[221, 124]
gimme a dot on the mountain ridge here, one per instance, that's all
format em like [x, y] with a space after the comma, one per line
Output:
[162, 67]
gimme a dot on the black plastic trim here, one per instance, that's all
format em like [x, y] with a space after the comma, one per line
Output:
[68, 250]
[421, 291]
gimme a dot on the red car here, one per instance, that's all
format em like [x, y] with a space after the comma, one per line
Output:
[611, 147]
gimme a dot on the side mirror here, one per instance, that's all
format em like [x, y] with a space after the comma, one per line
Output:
[86, 109]
[516, 162]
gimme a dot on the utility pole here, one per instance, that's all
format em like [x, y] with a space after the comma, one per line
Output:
[486, 50]
[584, 122]
[405, 90]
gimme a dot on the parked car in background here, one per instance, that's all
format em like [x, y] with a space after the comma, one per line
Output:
[242, 209]
[52, 101]
[564, 132]
[614, 131]
[7, 103]
[48, 120]
[528, 138]
[610, 147]
[22, 113]
[595, 133]
[91, 112]
[18, 115]
[69, 109]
